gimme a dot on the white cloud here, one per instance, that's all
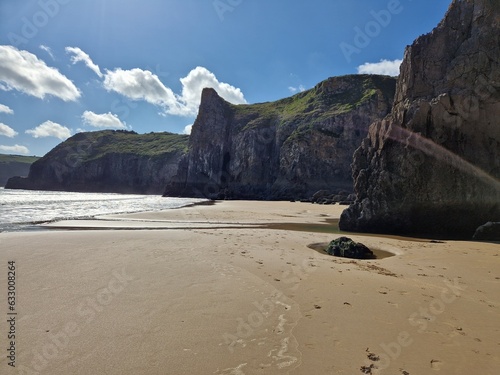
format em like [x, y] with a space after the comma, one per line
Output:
[50, 129]
[5, 109]
[384, 67]
[103, 121]
[7, 131]
[78, 55]
[187, 129]
[294, 90]
[197, 80]
[23, 71]
[138, 84]
[16, 149]
[48, 50]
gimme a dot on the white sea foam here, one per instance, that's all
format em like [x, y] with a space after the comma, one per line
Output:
[281, 357]
[21, 208]
[232, 371]
[281, 325]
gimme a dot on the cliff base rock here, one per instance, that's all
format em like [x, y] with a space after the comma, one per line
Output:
[347, 248]
[433, 165]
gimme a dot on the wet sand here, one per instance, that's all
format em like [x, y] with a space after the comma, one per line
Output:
[234, 288]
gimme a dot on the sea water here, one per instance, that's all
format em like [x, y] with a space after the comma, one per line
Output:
[22, 209]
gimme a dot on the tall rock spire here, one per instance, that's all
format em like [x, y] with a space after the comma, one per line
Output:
[433, 164]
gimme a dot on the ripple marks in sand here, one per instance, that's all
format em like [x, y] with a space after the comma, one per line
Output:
[232, 371]
[282, 360]
[281, 325]
[263, 338]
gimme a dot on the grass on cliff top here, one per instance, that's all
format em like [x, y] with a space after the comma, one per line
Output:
[327, 99]
[18, 159]
[100, 143]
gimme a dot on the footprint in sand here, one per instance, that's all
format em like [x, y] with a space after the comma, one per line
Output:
[436, 364]
[459, 331]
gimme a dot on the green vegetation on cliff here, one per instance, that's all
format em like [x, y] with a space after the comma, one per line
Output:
[94, 145]
[14, 165]
[326, 100]
[17, 159]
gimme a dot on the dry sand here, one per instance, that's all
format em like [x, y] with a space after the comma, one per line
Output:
[209, 290]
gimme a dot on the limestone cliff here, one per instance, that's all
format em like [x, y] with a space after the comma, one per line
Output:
[433, 165]
[14, 165]
[107, 161]
[285, 149]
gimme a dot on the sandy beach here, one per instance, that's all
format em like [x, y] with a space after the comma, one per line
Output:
[235, 288]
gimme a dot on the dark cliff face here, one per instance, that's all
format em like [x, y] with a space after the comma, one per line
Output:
[14, 165]
[285, 149]
[433, 165]
[107, 161]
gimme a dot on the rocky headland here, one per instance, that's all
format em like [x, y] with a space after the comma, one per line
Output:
[14, 165]
[433, 164]
[107, 161]
[287, 149]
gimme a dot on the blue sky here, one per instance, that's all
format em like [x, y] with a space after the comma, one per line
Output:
[83, 65]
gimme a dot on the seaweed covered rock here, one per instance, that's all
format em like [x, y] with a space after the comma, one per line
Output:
[347, 248]
[488, 232]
